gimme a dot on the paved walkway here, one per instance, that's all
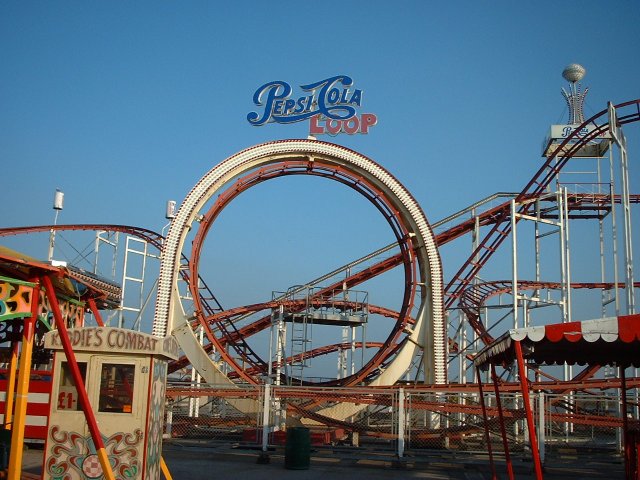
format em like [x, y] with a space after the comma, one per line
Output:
[204, 461]
[194, 462]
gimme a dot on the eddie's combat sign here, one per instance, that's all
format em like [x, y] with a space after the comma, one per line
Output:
[111, 339]
[330, 105]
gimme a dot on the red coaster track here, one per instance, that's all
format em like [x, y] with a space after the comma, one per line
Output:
[220, 326]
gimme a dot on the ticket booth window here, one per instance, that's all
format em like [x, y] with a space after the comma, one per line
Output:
[67, 392]
[116, 388]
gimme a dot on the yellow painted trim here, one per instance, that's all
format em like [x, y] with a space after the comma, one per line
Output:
[11, 389]
[104, 463]
[165, 469]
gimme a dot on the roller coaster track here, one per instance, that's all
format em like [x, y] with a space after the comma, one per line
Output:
[149, 236]
[336, 163]
[265, 322]
[154, 239]
[475, 297]
[470, 301]
[230, 335]
[496, 217]
[232, 316]
[383, 201]
[627, 113]
[597, 205]
[316, 352]
[589, 202]
[300, 398]
[286, 168]
[576, 202]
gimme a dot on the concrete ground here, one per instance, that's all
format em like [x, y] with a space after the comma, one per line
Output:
[195, 461]
[206, 460]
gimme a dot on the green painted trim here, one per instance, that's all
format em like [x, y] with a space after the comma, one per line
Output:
[16, 281]
[71, 300]
[11, 316]
[43, 319]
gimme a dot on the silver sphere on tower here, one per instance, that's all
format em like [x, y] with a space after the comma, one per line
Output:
[574, 72]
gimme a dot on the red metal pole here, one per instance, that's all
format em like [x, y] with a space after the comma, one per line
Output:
[503, 430]
[494, 474]
[533, 439]
[96, 313]
[77, 378]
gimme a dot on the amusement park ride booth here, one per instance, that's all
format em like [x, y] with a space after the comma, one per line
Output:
[124, 373]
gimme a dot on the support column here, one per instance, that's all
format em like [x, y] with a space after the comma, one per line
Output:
[503, 430]
[514, 263]
[17, 435]
[618, 136]
[169, 424]
[263, 458]
[524, 383]
[625, 426]
[401, 421]
[96, 312]
[541, 426]
[11, 381]
[494, 474]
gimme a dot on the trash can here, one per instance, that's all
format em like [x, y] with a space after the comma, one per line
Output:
[297, 449]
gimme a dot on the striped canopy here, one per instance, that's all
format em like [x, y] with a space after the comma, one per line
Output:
[606, 341]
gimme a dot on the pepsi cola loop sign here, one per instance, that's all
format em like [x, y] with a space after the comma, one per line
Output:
[330, 105]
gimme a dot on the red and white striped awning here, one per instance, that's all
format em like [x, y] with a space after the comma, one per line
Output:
[606, 341]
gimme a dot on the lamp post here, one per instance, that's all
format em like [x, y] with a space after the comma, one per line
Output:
[169, 215]
[58, 205]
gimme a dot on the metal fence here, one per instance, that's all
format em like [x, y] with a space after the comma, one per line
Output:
[398, 421]
[592, 421]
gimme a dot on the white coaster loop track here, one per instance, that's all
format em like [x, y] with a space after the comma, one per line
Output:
[429, 332]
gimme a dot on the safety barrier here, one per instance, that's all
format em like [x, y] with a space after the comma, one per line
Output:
[396, 421]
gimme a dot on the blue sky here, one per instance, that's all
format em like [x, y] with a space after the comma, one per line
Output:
[125, 105]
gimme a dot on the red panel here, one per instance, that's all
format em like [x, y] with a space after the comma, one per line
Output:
[40, 383]
[571, 331]
[35, 433]
[38, 409]
[629, 328]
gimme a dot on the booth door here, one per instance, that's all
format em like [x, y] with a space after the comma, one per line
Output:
[119, 389]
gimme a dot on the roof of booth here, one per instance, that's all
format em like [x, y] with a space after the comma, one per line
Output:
[606, 341]
[67, 279]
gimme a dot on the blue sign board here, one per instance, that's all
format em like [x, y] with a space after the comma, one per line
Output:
[330, 105]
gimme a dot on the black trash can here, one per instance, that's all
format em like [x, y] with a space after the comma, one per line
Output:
[297, 449]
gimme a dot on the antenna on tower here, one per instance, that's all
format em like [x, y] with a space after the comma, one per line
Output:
[573, 73]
